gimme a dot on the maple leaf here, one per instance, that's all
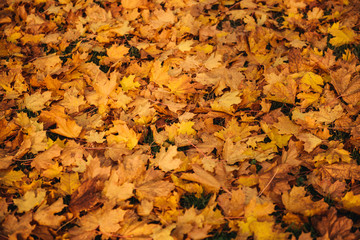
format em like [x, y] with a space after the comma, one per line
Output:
[279, 139]
[214, 61]
[226, 101]
[159, 74]
[44, 160]
[203, 177]
[331, 226]
[153, 189]
[124, 134]
[106, 218]
[67, 128]
[15, 227]
[334, 154]
[233, 205]
[163, 233]
[351, 202]
[116, 52]
[313, 80]
[10, 177]
[48, 65]
[8, 128]
[167, 160]
[30, 200]
[280, 89]
[180, 86]
[297, 202]
[127, 83]
[69, 182]
[346, 85]
[342, 35]
[236, 132]
[36, 101]
[116, 191]
[185, 45]
[86, 196]
[72, 101]
[310, 141]
[185, 127]
[94, 136]
[45, 214]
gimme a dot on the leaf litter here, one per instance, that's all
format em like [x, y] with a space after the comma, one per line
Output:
[179, 119]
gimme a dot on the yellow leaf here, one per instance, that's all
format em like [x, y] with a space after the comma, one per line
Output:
[127, 83]
[72, 101]
[131, 4]
[308, 98]
[163, 233]
[280, 88]
[167, 160]
[225, 102]
[33, 39]
[44, 160]
[53, 171]
[351, 202]
[185, 45]
[69, 182]
[265, 231]
[10, 177]
[188, 187]
[123, 134]
[186, 128]
[30, 200]
[259, 210]
[342, 35]
[181, 85]
[313, 80]
[333, 154]
[116, 52]
[67, 128]
[310, 141]
[207, 48]
[286, 126]
[36, 101]
[280, 140]
[106, 218]
[159, 74]
[236, 132]
[248, 181]
[94, 136]
[214, 61]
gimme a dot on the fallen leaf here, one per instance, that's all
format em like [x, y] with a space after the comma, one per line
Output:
[30, 200]
[297, 202]
[45, 214]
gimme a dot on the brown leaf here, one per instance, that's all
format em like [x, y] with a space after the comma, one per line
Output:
[346, 85]
[45, 214]
[8, 129]
[18, 227]
[297, 202]
[203, 177]
[45, 160]
[232, 204]
[86, 196]
[341, 171]
[153, 189]
[333, 227]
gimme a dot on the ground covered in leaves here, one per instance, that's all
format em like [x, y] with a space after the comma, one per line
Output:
[180, 119]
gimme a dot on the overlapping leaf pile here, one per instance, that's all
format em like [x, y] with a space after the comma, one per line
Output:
[179, 119]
